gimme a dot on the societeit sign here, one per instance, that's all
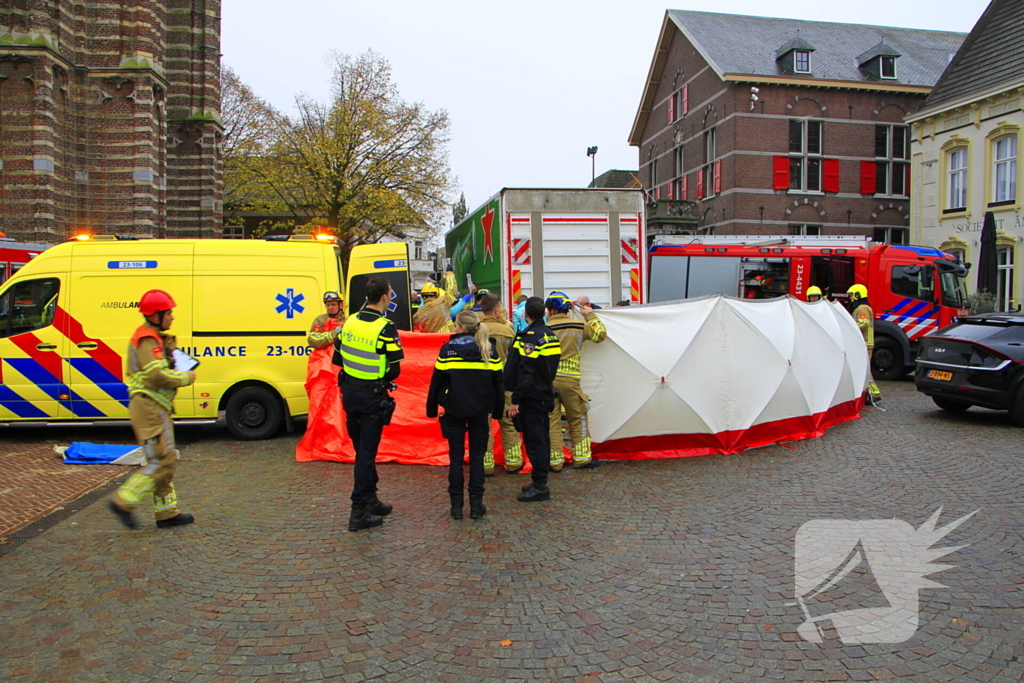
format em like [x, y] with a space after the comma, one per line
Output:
[1006, 223]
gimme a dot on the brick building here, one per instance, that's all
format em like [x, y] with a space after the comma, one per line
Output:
[752, 125]
[109, 118]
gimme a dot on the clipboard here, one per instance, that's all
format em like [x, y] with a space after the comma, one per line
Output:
[183, 361]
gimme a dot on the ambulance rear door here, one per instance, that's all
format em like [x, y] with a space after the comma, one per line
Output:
[107, 280]
[389, 260]
[33, 383]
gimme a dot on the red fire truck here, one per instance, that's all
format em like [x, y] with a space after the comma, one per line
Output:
[913, 290]
[13, 255]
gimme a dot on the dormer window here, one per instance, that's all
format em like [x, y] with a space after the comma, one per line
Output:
[795, 56]
[802, 61]
[880, 61]
[888, 67]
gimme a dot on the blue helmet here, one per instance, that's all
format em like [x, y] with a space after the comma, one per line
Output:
[558, 301]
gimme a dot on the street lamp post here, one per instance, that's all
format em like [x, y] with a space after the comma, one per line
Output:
[592, 153]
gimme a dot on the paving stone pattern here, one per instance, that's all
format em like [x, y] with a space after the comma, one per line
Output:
[673, 570]
[35, 482]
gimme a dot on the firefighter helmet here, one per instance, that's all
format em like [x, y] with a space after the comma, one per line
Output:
[814, 291]
[332, 296]
[558, 301]
[154, 301]
[857, 292]
[429, 289]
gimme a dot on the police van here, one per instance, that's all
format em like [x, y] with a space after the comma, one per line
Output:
[244, 308]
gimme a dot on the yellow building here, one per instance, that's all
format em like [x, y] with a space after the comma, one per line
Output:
[965, 148]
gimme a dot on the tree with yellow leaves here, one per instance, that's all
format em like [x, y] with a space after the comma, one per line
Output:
[361, 166]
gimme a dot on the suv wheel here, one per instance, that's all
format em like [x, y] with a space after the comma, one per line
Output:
[1017, 408]
[951, 405]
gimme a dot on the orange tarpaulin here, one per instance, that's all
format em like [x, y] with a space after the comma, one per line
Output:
[411, 439]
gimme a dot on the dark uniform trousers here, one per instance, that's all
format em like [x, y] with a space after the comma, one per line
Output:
[537, 439]
[363, 418]
[479, 428]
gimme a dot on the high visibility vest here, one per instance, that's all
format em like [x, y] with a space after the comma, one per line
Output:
[359, 348]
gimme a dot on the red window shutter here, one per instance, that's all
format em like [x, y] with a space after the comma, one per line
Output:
[700, 183]
[780, 175]
[672, 190]
[831, 173]
[672, 108]
[657, 192]
[686, 99]
[717, 170]
[867, 177]
[683, 194]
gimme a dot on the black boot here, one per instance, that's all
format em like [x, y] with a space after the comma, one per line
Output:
[477, 509]
[178, 520]
[361, 518]
[123, 515]
[375, 507]
[535, 493]
[456, 505]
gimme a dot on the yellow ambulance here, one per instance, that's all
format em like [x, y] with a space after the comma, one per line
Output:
[244, 309]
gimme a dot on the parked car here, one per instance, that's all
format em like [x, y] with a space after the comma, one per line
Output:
[976, 361]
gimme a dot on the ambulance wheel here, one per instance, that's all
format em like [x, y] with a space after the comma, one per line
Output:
[253, 414]
[887, 360]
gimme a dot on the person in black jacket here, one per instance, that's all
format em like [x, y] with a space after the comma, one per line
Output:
[530, 373]
[467, 383]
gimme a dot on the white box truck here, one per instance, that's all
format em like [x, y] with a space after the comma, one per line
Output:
[534, 241]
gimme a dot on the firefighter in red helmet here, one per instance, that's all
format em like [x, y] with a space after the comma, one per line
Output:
[152, 383]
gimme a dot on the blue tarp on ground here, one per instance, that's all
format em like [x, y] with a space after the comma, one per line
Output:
[82, 453]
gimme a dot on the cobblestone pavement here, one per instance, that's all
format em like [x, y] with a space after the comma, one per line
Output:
[676, 570]
[35, 482]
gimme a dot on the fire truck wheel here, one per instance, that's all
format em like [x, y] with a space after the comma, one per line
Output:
[951, 405]
[887, 360]
[253, 414]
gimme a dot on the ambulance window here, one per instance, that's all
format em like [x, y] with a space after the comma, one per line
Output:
[28, 306]
[911, 281]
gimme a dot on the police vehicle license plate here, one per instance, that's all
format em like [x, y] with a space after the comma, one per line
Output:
[940, 374]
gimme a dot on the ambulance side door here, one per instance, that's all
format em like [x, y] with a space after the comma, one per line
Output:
[32, 349]
[389, 260]
[106, 286]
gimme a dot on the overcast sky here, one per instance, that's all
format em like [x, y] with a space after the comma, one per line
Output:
[529, 85]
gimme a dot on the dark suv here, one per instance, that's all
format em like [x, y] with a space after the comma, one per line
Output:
[976, 361]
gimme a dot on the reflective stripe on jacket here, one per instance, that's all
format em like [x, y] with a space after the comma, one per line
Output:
[465, 382]
[358, 348]
[147, 370]
[571, 335]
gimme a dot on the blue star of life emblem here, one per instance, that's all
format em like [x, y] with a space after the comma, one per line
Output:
[291, 303]
[392, 306]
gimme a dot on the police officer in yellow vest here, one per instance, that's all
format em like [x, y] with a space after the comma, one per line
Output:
[864, 316]
[369, 353]
[502, 336]
[152, 384]
[568, 394]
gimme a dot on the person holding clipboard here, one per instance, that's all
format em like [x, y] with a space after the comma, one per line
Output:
[154, 369]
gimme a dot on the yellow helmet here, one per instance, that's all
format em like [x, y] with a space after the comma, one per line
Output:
[857, 292]
[813, 291]
[429, 289]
